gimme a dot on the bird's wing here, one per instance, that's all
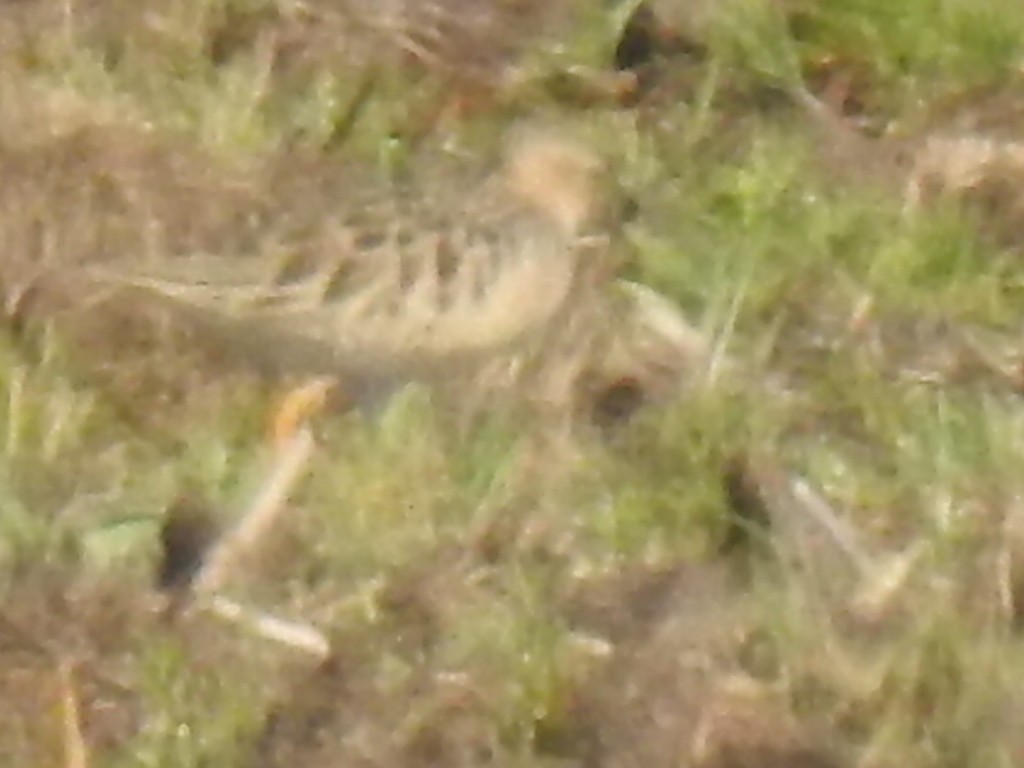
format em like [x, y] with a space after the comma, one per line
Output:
[401, 297]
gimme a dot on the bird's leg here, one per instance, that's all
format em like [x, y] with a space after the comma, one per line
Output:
[296, 407]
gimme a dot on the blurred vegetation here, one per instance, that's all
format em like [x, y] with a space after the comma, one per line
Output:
[831, 193]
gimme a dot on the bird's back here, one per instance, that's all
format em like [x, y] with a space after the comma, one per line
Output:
[409, 278]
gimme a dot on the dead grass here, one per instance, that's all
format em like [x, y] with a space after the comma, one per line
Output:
[810, 556]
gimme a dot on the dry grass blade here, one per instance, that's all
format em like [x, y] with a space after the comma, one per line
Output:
[661, 323]
[76, 753]
[879, 590]
[807, 531]
[818, 511]
[301, 637]
[804, 526]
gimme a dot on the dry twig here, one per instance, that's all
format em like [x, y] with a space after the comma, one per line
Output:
[76, 753]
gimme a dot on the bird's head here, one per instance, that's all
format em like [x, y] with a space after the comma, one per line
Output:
[556, 176]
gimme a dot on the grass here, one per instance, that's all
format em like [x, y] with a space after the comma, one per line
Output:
[494, 595]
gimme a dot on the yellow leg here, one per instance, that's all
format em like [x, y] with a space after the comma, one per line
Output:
[297, 406]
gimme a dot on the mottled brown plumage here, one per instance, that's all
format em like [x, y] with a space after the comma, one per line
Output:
[507, 280]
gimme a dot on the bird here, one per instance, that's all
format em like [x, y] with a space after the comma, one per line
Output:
[505, 278]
